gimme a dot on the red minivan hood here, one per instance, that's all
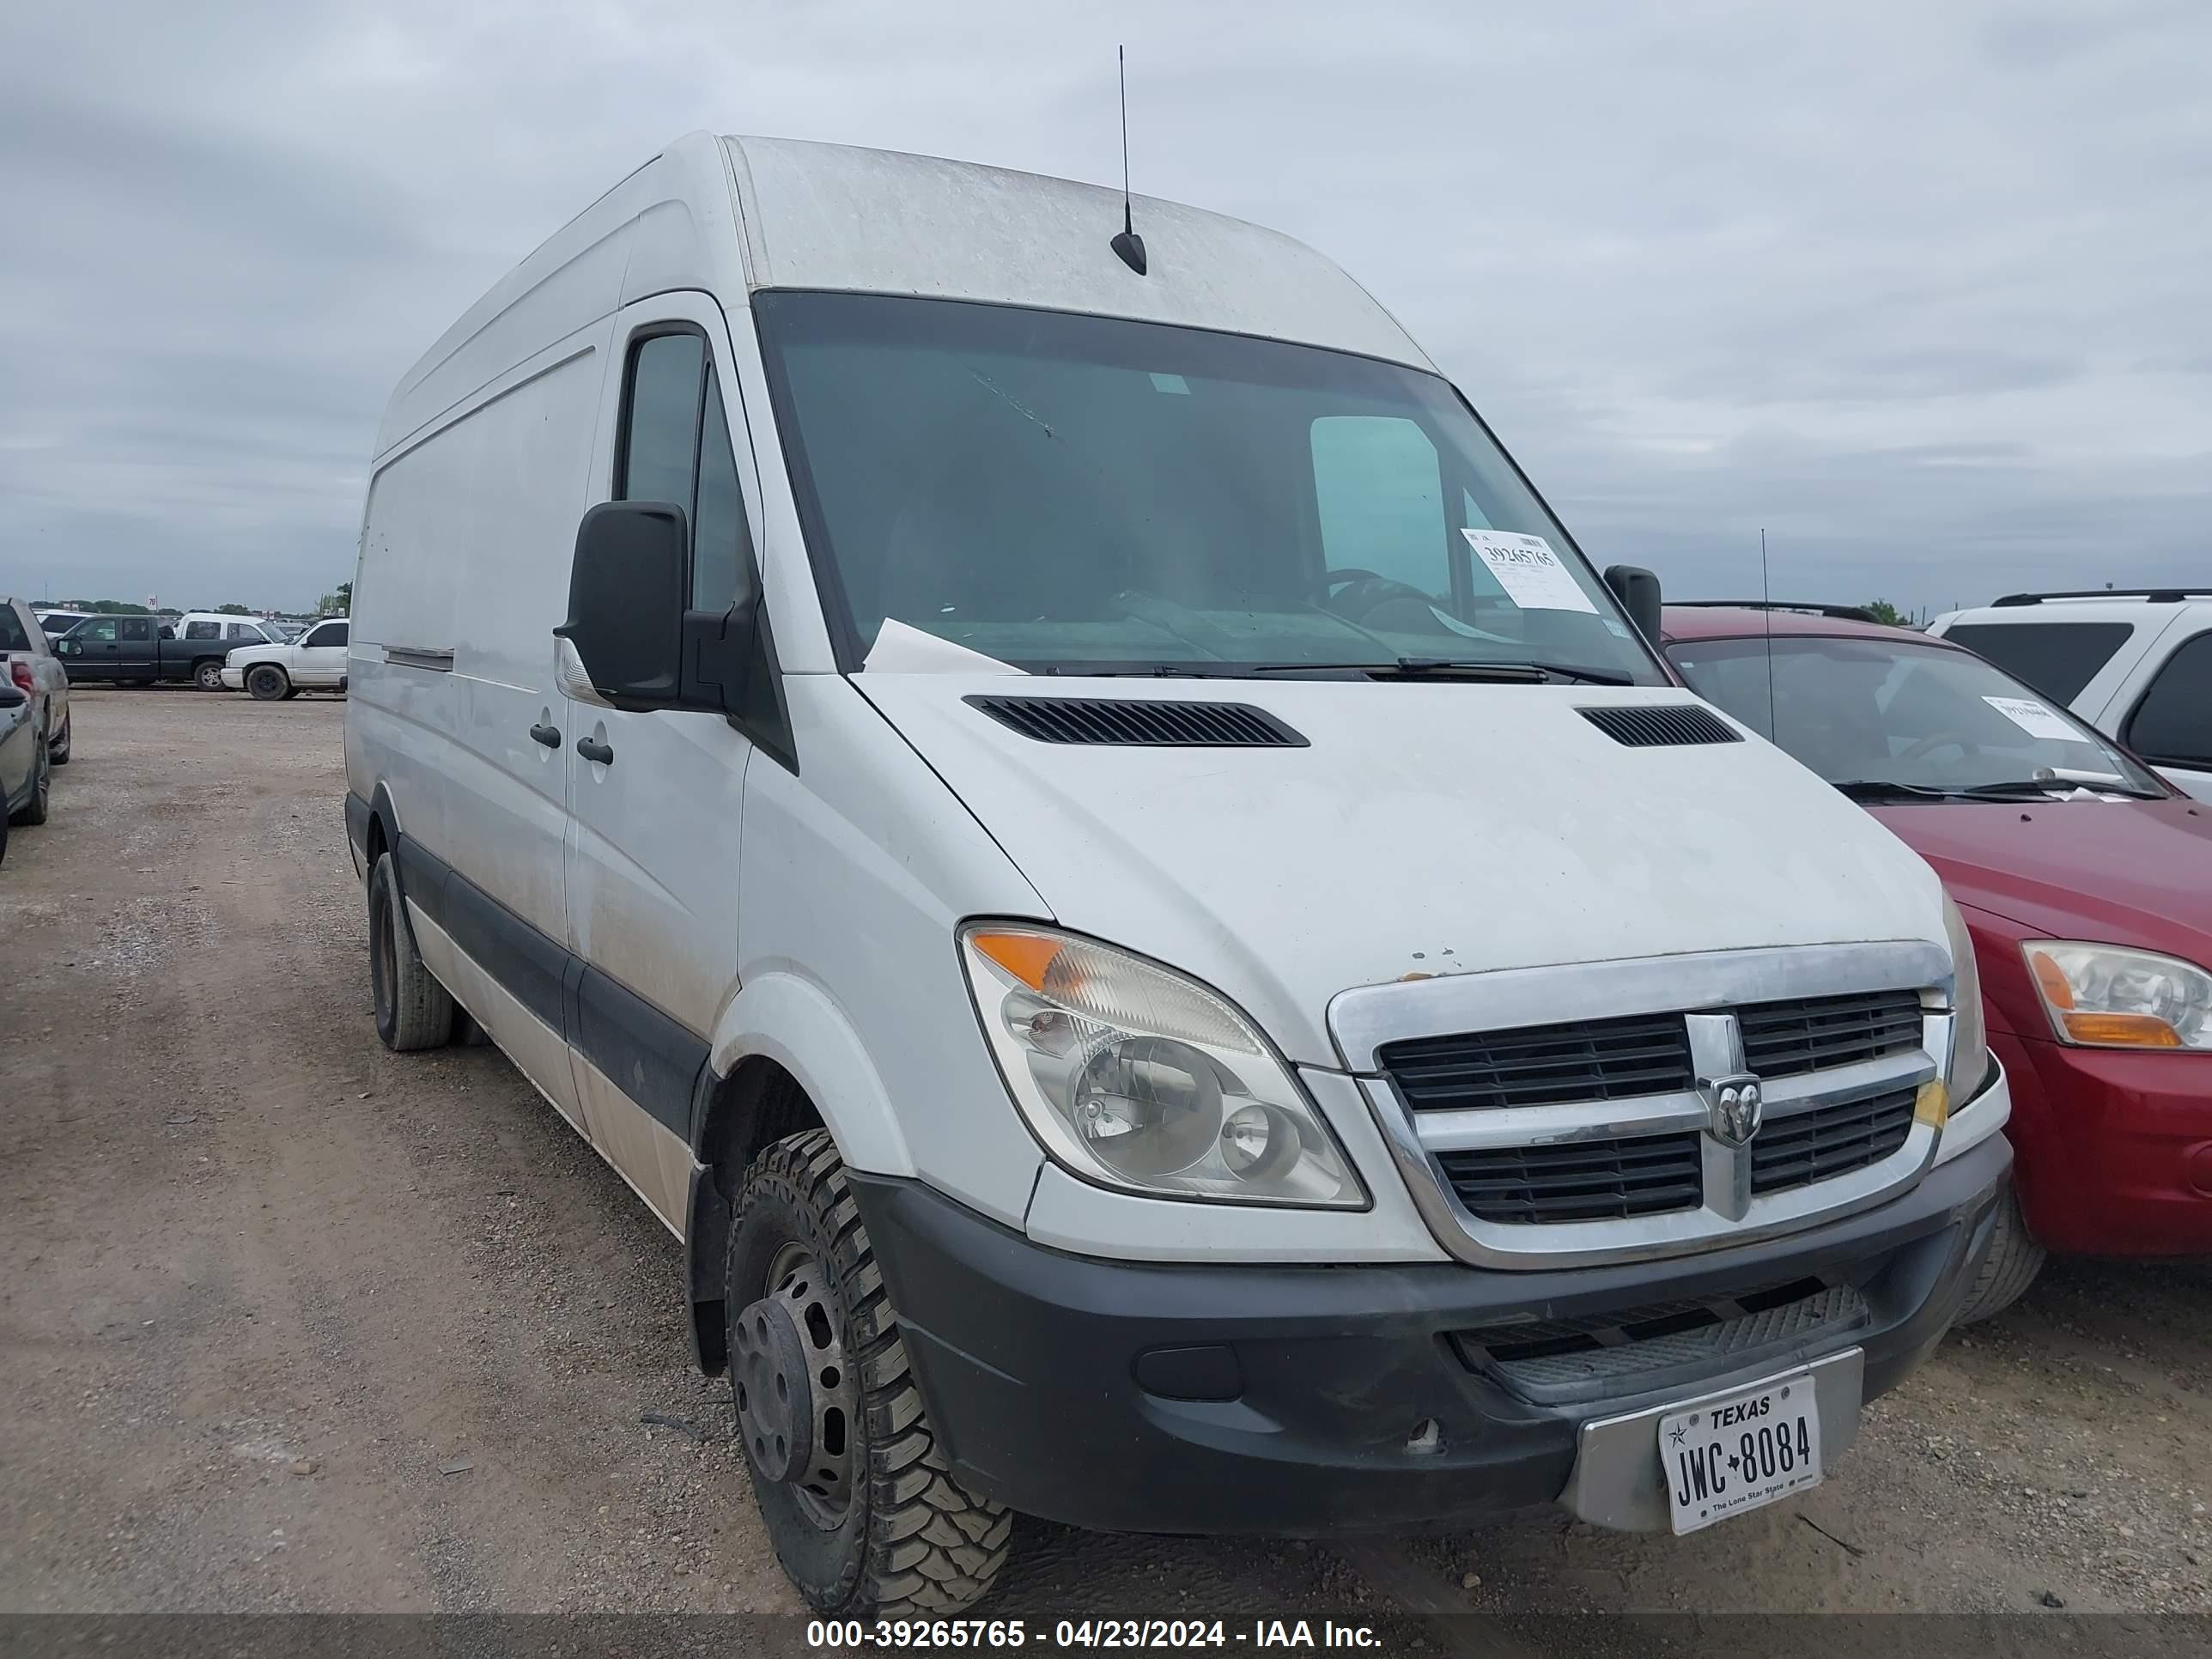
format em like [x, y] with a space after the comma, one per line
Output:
[2125, 873]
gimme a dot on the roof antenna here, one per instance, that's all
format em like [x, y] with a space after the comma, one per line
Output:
[1128, 243]
[1766, 614]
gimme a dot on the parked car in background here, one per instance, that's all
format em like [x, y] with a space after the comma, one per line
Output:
[2136, 664]
[54, 623]
[27, 657]
[316, 661]
[26, 768]
[139, 650]
[221, 634]
[2085, 881]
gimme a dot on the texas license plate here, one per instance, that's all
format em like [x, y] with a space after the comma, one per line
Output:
[1729, 1456]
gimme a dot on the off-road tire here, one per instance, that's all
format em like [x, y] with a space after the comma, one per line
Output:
[208, 675]
[413, 1011]
[912, 1542]
[33, 811]
[60, 755]
[267, 683]
[2009, 1269]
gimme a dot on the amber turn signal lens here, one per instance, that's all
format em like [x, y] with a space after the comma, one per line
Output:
[1932, 1105]
[1027, 957]
[2055, 991]
[2122, 1030]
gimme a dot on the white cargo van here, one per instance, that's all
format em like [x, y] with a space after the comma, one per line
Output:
[1081, 836]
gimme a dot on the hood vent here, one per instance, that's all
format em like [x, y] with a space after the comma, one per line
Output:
[1669, 726]
[1146, 723]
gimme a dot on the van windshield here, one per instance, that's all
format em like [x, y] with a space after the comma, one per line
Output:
[1081, 493]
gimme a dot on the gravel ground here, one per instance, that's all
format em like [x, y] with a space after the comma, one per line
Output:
[287, 1322]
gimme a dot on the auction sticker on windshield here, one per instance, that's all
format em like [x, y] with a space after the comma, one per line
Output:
[1730, 1456]
[1530, 572]
[2033, 718]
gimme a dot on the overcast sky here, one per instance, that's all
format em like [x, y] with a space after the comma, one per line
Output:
[1923, 288]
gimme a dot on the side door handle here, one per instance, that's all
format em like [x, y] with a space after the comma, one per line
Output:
[591, 750]
[548, 735]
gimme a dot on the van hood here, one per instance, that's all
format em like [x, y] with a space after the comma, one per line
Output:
[1424, 829]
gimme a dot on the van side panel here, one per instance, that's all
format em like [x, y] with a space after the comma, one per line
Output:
[857, 870]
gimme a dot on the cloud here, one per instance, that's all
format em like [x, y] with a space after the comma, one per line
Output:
[1917, 288]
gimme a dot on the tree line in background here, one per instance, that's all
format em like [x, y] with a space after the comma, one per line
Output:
[337, 603]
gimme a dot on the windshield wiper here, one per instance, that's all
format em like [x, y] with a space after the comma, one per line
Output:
[2059, 784]
[1888, 789]
[1877, 789]
[1476, 668]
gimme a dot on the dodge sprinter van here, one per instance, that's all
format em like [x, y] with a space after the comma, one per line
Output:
[1057, 806]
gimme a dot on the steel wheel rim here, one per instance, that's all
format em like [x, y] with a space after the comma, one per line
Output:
[824, 1492]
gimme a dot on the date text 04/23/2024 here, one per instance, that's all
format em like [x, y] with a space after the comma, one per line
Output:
[1088, 1633]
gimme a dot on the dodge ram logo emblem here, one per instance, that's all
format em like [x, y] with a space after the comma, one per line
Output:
[1732, 1108]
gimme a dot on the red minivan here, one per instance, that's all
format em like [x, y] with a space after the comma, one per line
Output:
[2085, 879]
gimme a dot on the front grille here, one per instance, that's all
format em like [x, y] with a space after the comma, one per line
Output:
[1542, 1064]
[1812, 1034]
[1830, 1140]
[1578, 1181]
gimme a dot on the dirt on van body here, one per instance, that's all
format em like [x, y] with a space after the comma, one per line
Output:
[290, 1323]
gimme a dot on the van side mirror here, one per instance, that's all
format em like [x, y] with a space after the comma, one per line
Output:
[1637, 590]
[627, 619]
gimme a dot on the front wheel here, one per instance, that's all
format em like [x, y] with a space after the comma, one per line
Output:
[2014, 1261]
[268, 682]
[208, 676]
[413, 1011]
[860, 1503]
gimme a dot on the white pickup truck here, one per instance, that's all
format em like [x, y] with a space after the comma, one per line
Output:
[316, 661]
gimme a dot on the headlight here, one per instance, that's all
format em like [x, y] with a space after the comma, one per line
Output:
[2105, 996]
[1970, 1027]
[1140, 1078]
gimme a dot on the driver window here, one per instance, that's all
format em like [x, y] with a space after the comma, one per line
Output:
[1379, 493]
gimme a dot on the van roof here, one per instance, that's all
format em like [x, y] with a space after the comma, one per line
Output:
[731, 216]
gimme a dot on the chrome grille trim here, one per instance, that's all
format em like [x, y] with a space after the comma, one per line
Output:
[1705, 987]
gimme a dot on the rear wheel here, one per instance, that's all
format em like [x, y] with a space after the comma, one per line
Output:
[860, 1504]
[33, 811]
[2009, 1269]
[413, 1011]
[208, 676]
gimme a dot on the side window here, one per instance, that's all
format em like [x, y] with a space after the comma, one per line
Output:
[136, 628]
[2056, 659]
[102, 632]
[204, 630]
[675, 447]
[661, 419]
[328, 634]
[1379, 493]
[721, 545]
[242, 634]
[2173, 721]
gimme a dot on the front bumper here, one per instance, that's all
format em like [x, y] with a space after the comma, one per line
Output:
[2115, 1147]
[234, 679]
[1145, 1397]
